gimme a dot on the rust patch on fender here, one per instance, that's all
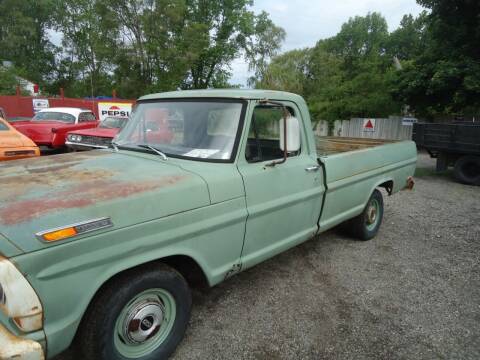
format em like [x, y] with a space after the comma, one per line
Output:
[80, 195]
[12, 347]
[410, 183]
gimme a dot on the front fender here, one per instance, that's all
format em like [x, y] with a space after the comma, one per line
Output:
[67, 277]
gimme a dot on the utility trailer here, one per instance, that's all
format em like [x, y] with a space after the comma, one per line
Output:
[452, 144]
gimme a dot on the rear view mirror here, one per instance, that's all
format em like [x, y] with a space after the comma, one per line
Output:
[293, 134]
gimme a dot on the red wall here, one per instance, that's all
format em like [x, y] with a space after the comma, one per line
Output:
[22, 106]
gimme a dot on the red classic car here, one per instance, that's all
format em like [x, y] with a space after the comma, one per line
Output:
[49, 127]
[97, 138]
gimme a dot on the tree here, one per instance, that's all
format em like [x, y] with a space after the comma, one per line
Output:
[233, 30]
[350, 72]
[409, 40]
[359, 38]
[24, 38]
[88, 46]
[445, 77]
[156, 45]
[348, 75]
[9, 82]
[286, 72]
[263, 45]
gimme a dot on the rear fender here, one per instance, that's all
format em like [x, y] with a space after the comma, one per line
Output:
[59, 136]
[387, 183]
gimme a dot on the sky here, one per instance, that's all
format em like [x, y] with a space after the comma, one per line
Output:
[307, 21]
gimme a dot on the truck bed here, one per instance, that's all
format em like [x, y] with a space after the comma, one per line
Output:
[328, 145]
[458, 138]
[354, 167]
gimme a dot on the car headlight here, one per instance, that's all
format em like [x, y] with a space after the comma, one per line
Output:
[18, 300]
[79, 138]
[71, 137]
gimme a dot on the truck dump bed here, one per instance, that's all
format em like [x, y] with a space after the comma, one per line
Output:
[328, 145]
[458, 138]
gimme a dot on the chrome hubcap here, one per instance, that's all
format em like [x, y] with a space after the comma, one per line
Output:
[143, 321]
[371, 214]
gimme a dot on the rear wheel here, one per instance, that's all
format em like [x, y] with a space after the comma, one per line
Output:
[467, 170]
[140, 315]
[366, 225]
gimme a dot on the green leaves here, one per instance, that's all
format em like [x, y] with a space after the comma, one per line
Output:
[344, 76]
[24, 39]
[430, 63]
[443, 78]
[135, 46]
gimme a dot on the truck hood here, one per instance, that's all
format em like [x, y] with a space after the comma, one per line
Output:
[60, 190]
[100, 132]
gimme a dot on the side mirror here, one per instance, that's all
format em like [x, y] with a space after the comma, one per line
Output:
[293, 134]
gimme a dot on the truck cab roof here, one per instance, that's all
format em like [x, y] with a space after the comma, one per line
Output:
[225, 93]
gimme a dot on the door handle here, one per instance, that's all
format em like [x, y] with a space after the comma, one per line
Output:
[312, 168]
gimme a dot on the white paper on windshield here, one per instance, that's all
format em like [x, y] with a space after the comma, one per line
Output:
[201, 153]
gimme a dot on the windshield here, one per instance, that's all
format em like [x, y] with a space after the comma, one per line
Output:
[195, 129]
[54, 115]
[113, 123]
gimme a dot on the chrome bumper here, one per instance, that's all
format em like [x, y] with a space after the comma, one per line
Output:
[15, 348]
[82, 146]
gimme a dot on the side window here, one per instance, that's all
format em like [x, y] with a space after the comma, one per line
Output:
[86, 116]
[263, 143]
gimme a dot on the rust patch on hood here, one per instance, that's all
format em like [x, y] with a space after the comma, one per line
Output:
[53, 160]
[15, 186]
[80, 195]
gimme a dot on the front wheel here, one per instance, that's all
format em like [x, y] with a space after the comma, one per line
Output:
[142, 314]
[366, 225]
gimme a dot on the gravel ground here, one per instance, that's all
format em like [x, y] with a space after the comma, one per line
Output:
[413, 292]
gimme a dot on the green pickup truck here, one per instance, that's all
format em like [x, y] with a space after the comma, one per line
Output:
[99, 249]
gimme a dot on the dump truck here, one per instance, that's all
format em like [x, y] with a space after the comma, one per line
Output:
[454, 145]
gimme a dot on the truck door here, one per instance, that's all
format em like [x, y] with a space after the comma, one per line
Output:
[283, 201]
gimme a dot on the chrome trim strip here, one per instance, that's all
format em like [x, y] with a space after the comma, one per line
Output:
[86, 145]
[80, 227]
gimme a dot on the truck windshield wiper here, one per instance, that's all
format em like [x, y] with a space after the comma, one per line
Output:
[114, 145]
[164, 157]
